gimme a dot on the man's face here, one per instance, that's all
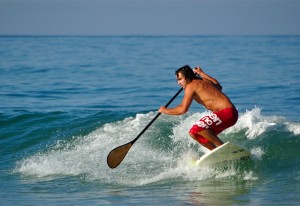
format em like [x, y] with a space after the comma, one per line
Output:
[181, 80]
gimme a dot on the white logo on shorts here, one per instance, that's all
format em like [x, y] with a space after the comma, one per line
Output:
[207, 121]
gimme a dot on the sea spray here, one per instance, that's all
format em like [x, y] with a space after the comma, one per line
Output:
[147, 162]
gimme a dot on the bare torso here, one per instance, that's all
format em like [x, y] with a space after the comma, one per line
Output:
[205, 93]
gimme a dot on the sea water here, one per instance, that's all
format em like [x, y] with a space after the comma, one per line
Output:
[67, 101]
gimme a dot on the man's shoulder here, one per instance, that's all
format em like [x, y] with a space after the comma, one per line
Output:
[197, 80]
[197, 83]
[194, 85]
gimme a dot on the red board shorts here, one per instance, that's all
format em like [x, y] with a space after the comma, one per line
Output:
[216, 121]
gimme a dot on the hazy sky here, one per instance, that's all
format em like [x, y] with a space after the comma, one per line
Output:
[149, 17]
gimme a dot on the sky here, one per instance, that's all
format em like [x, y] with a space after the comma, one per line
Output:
[149, 17]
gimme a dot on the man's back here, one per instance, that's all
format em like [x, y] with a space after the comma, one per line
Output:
[207, 94]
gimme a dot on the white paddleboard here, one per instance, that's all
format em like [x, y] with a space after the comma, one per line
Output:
[225, 153]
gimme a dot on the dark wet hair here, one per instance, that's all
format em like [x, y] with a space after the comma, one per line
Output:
[187, 72]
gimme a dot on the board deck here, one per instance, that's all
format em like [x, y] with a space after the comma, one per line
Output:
[225, 153]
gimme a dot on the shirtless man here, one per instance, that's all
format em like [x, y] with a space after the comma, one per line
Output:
[208, 92]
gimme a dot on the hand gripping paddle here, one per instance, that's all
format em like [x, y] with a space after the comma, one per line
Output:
[116, 156]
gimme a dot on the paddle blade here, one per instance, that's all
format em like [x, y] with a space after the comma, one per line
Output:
[116, 156]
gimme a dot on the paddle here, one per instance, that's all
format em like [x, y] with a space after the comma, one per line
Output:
[116, 156]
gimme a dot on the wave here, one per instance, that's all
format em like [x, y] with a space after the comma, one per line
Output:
[163, 153]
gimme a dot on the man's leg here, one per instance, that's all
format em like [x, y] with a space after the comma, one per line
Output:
[208, 145]
[210, 136]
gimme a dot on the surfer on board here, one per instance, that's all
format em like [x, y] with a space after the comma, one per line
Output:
[206, 91]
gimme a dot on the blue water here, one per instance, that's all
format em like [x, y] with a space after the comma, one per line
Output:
[67, 101]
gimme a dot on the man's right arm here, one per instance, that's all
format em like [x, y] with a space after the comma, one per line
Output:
[205, 76]
[184, 106]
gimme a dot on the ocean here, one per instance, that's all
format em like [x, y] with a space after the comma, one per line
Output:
[67, 101]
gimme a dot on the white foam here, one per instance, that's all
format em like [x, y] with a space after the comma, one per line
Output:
[145, 163]
[293, 127]
[250, 176]
[86, 156]
[257, 153]
[254, 123]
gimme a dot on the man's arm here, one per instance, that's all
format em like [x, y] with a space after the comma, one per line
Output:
[205, 76]
[183, 107]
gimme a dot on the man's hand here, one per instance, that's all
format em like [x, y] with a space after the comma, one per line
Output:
[198, 70]
[162, 109]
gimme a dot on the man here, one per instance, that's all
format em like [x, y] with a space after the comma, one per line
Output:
[208, 92]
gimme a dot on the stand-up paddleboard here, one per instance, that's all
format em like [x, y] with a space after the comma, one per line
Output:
[225, 153]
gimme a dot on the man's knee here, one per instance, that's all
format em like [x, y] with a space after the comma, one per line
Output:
[198, 137]
[193, 136]
[207, 132]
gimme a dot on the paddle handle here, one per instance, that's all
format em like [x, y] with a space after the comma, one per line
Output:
[156, 116]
